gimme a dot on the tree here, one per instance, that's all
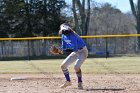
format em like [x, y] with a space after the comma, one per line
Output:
[54, 17]
[27, 18]
[136, 13]
[4, 25]
[13, 17]
[105, 20]
[81, 15]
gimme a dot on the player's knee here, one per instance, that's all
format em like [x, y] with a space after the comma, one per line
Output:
[77, 69]
[63, 67]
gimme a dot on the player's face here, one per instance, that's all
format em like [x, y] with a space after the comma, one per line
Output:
[66, 32]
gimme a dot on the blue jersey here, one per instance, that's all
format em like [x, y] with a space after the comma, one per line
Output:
[72, 41]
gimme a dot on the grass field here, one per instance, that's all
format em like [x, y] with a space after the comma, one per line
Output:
[101, 75]
[118, 65]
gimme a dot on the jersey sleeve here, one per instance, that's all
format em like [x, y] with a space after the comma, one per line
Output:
[63, 44]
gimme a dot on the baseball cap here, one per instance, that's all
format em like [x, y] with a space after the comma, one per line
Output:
[64, 27]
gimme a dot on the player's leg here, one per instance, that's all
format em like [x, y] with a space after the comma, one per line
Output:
[79, 73]
[81, 58]
[64, 66]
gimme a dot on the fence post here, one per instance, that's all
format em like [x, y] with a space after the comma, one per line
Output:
[106, 49]
[28, 51]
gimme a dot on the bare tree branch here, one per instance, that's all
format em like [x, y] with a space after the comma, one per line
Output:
[133, 8]
[75, 17]
[87, 17]
[84, 15]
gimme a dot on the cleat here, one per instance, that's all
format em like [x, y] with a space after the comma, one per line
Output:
[67, 83]
[80, 86]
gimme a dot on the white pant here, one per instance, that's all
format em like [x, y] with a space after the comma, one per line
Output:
[77, 57]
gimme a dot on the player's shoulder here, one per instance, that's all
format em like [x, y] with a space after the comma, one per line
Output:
[73, 35]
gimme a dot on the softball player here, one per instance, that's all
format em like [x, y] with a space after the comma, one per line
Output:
[73, 43]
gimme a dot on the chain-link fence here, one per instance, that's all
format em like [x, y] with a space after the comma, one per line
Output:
[39, 48]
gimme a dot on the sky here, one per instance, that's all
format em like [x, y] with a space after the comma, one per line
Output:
[123, 5]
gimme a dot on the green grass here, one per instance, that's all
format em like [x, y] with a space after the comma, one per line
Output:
[120, 65]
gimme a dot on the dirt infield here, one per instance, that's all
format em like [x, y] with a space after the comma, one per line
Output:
[49, 83]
